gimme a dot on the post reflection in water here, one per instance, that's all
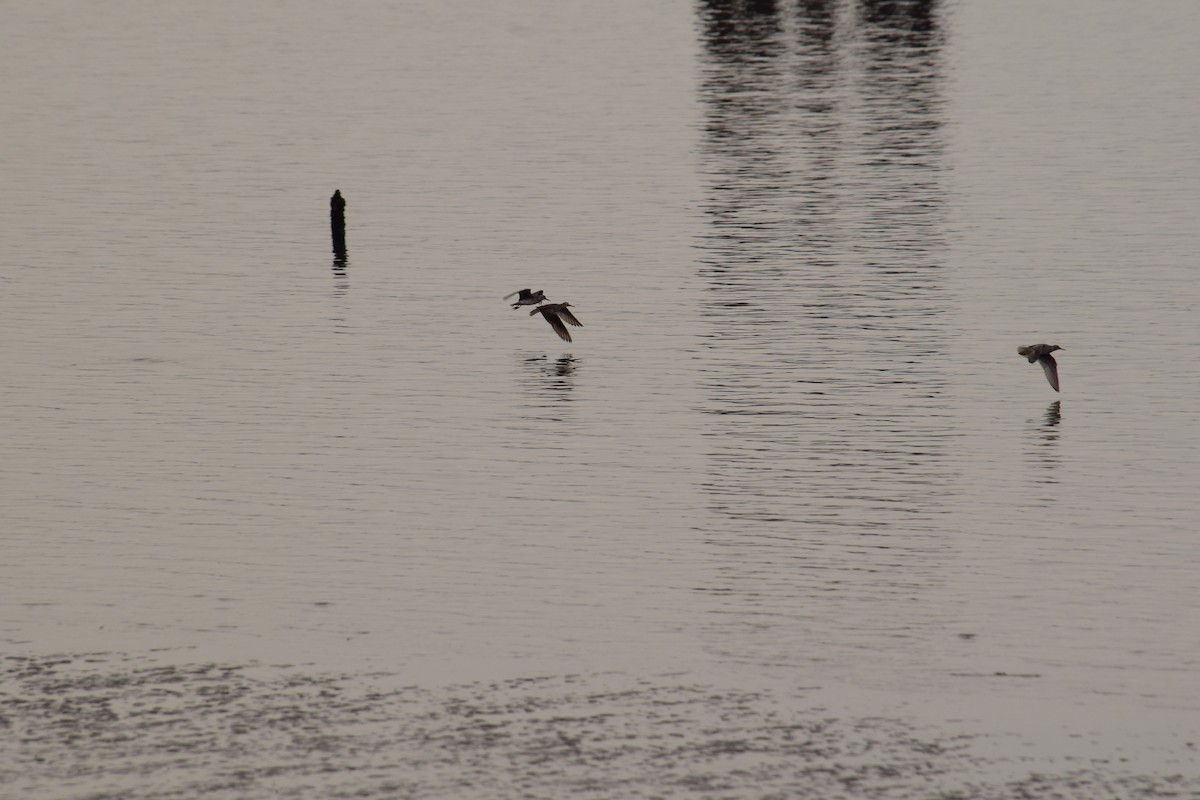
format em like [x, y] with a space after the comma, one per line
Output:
[341, 264]
[341, 287]
[823, 151]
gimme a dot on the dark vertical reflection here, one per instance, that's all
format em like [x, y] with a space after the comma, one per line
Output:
[822, 153]
[341, 274]
[341, 288]
[548, 384]
[1042, 451]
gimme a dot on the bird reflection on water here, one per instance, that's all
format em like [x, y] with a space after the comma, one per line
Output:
[549, 382]
[1042, 449]
[1052, 418]
[564, 366]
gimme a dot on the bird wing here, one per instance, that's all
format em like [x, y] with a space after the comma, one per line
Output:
[522, 292]
[1050, 367]
[569, 318]
[559, 328]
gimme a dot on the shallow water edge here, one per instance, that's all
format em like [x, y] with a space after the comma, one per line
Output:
[111, 725]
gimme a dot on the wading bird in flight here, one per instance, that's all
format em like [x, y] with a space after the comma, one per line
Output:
[556, 314]
[527, 298]
[1041, 354]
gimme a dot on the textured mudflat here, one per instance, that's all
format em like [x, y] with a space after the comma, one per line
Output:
[113, 726]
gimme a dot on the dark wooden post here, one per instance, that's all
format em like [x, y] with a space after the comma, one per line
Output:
[337, 221]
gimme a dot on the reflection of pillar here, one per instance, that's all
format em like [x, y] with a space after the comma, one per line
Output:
[337, 222]
[829, 463]
[913, 15]
[823, 149]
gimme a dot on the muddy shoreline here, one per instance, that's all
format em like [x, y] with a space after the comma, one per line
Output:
[107, 725]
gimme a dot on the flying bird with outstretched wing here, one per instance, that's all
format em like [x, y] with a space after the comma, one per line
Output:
[556, 314]
[1041, 354]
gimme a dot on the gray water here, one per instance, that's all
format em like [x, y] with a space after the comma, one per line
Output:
[791, 475]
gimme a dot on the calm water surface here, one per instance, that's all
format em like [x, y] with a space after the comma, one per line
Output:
[792, 454]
